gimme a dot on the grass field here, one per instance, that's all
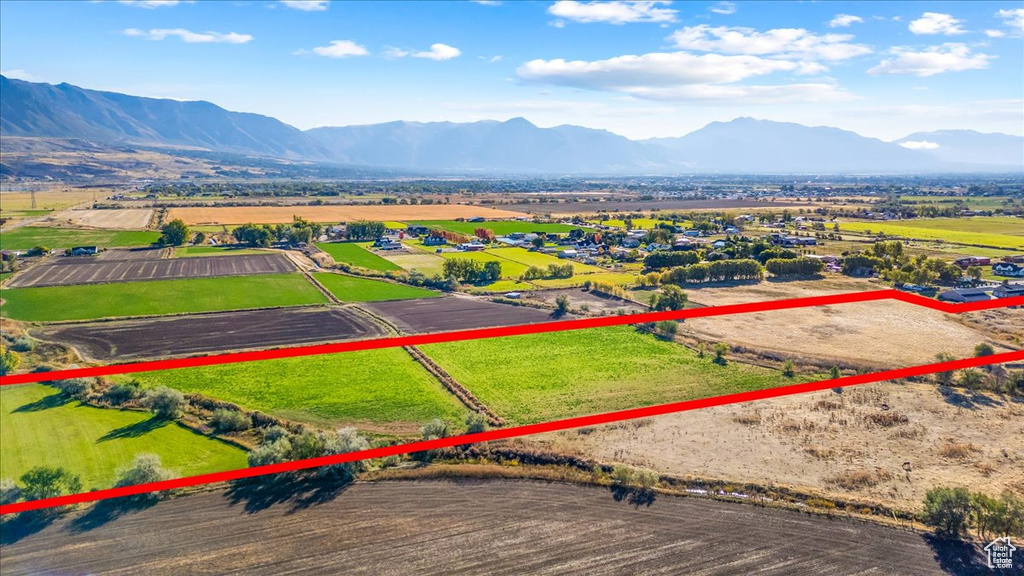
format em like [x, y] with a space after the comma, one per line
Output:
[48, 200]
[641, 223]
[542, 377]
[356, 254]
[499, 227]
[93, 301]
[353, 289]
[509, 269]
[196, 251]
[617, 278]
[39, 428]
[427, 263]
[57, 238]
[997, 232]
[524, 256]
[381, 386]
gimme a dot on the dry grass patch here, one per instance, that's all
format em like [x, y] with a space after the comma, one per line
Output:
[858, 478]
[958, 450]
[751, 419]
[886, 419]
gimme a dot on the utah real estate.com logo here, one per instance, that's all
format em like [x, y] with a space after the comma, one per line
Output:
[1000, 553]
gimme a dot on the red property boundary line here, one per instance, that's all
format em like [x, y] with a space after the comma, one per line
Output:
[505, 433]
[479, 333]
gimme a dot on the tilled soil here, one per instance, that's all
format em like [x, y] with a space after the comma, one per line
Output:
[455, 313]
[205, 333]
[464, 527]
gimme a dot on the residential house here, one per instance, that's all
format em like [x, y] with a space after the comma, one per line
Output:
[1008, 290]
[965, 295]
[434, 241]
[1007, 269]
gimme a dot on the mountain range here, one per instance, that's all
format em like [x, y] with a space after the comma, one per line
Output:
[743, 145]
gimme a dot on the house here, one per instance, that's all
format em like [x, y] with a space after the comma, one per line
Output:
[472, 247]
[84, 251]
[570, 253]
[630, 243]
[389, 245]
[966, 295]
[1007, 269]
[518, 236]
[719, 244]
[1008, 290]
[732, 230]
[692, 233]
[972, 261]
[417, 230]
[434, 241]
[654, 246]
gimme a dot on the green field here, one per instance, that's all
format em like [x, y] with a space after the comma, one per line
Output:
[542, 377]
[427, 263]
[539, 259]
[998, 232]
[88, 302]
[509, 269]
[195, 251]
[499, 227]
[641, 223]
[354, 289]
[357, 255]
[58, 238]
[381, 386]
[617, 278]
[39, 428]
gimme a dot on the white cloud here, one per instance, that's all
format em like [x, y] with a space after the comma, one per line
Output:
[487, 2]
[995, 33]
[189, 36]
[949, 57]
[336, 49]
[844, 21]
[437, 52]
[1013, 18]
[724, 7]
[614, 12]
[732, 94]
[790, 43]
[19, 74]
[919, 145]
[936, 23]
[153, 3]
[491, 59]
[307, 5]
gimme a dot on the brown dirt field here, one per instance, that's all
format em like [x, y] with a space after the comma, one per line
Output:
[464, 527]
[207, 333]
[127, 219]
[578, 297]
[64, 271]
[860, 334]
[284, 214]
[454, 313]
[817, 442]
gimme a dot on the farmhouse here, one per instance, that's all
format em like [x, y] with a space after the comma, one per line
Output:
[434, 241]
[1008, 269]
[1008, 290]
[472, 247]
[966, 295]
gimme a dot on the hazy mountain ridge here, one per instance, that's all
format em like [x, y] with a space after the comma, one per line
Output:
[744, 145]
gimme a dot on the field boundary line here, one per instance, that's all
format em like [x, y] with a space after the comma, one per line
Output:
[502, 331]
[513, 432]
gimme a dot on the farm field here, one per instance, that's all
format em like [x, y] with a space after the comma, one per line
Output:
[88, 302]
[429, 264]
[207, 333]
[63, 271]
[49, 200]
[40, 428]
[122, 219]
[28, 237]
[509, 269]
[500, 228]
[225, 215]
[640, 223]
[524, 256]
[618, 278]
[531, 526]
[377, 387]
[455, 313]
[357, 254]
[197, 251]
[355, 289]
[540, 377]
[996, 232]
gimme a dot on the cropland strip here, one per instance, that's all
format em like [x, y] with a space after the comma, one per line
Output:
[333, 213]
[455, 313]
[121, 219]
[28, 237]
[466, 527]
[499, 228]
[72, 270]
[357, 255]
[41, 427]
[185, 335]
[355, 289]
[89, 302]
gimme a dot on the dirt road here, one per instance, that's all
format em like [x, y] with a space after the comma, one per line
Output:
[465, 527]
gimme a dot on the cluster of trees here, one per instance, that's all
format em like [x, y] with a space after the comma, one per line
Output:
[280, 445]
[53, 481]
[472, 271]
[9, 360]
[794, 266]
[364, 230]
[954, 511]
[720, 271]
[484, 234]
[666, 259]
[298, 231]
[453, 237]
[174, 233]
[858, 262]
[670, 298]
[552, 271]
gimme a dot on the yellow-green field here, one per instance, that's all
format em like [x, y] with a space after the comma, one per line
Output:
[998, 232]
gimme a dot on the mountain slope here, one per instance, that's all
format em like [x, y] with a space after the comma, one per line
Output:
[968, 146]
[66, 111]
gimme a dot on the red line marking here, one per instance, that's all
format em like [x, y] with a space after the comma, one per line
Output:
[505, 433]
[502, 331]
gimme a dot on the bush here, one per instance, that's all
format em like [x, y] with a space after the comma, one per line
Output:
[23, 344]
[9, 492]
[270, 453]
[165, 402]
[721, 349]
[666, 329]
[145, 469]
[475, 423]
[225, 420]
[120, 393]
[787, 369]
[9, 361]
[561, 305]
[971, 378]
[275, 433]
[74, 387]
[435, 429]
[48, 482]
[984, 349]
[948, 510]
[345, 440]
[671, 298]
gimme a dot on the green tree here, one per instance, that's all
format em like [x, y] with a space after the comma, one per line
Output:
[74, 387]
[971, 379]
[144, 469]
[9, 361]
[721, 349]
[561, 305]
[670, 298]
[165, 402]
[343, 441]
[48, 482]
[475, 422]
[9, 492]
[270, 452]
[225, 420]
[944, 378]
[174, 233]
[948, 510]
[834, 372]
[787, 369]
[984, 349]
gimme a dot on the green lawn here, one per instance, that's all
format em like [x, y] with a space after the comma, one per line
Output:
[509, 269]
[641, 223]
[999, 232]
[194, 251]
[542, 377]
[93, 301]
[499, 227]
[382, 386]
[38, 428]
[353, 289]
[539, 259]
[427, 263]
[58, 238]
[357, 255]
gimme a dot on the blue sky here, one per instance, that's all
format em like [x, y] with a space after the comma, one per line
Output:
[641, 69]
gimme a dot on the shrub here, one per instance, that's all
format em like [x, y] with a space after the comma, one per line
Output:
[435, 429]
[721, 349]
[48, 482]
[971, 379]
[274, 433]
[9, 361]
[146, 468]
[666, 329]
[74, 387]
[225, 420]
[787, 369]
[984, 349]
[948, 510]
[165, 402]
[343, 441]
[270, 453]
[476, 422]
[671, 298]
[121, 393]
[561, 305]
[9, 491]
[23, 344]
